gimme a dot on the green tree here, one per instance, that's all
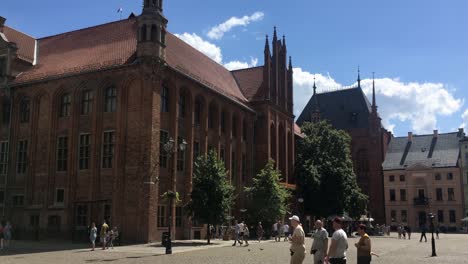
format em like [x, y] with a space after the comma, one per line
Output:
[212, 195]
[267, 198]
[324, 171]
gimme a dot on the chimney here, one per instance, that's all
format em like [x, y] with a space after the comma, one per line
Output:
[2, 23]
[410, 136]
[436, 133]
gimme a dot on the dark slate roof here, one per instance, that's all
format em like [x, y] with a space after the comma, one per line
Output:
[344, 109]
[425, 150]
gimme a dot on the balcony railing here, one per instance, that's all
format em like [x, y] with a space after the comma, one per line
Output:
[421, 201]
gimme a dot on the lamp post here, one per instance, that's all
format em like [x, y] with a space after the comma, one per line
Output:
[170, 149]
[431, 217]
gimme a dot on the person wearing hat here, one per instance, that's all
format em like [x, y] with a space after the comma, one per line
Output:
[339, 244]
[363, 246]
[297, 248]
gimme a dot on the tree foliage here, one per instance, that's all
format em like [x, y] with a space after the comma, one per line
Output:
[267, 198]
[324, 172]
[212, 195]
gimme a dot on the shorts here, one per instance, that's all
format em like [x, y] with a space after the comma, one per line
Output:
[103, 239]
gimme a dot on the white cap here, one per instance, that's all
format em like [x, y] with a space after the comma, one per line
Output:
[295, 218]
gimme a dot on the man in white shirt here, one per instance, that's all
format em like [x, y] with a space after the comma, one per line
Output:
[339, 244]
[286, 231]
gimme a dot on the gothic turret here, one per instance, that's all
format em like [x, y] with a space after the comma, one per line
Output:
[152, 30]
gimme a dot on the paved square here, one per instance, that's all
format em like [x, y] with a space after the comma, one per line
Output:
[451, 248]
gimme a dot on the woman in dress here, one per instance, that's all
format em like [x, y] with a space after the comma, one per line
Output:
[259, 231]
[93, 235]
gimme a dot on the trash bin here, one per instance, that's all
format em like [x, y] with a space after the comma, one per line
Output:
[165, 239]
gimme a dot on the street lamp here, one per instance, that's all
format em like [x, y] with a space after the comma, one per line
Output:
[431, 217]
[170, 149]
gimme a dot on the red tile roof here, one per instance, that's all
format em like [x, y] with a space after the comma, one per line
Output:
[24, 43]
[114, 44]
[250, 81]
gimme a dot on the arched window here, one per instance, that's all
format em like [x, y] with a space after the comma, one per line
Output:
[223, 122]
[197, 112]
[182, 105]
[25, 107]
[110, 103]
[143, 36]
[65, 103]
[165, 99]
[154, 33]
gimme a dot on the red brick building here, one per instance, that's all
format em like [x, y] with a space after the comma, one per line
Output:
[350, 110]
[84, 113]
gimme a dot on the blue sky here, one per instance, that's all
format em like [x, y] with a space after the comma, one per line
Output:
[418, 48]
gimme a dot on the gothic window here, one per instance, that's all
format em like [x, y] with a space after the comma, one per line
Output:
[110, 99]
[3, 66]
[3, 157]
[65, 103]
[22, 157]
[223, 122]
[62, 153]
[6, 111]
[87, 102]
[197, 112]
[163, 139]
[180, 156]
[165, 99]
[362, 166]
[24, 110]
[83, 161]
[108, 149]
[154, 33]
[182, 105]
[143, 33]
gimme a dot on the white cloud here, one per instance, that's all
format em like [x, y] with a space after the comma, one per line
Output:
[420, 104]
[214, 52]
[209, 49]
[235, 65]
[217, 32]
[465, 120]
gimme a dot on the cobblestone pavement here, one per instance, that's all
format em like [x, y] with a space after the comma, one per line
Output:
[450, 249]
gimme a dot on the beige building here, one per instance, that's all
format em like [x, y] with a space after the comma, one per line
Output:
[422, 175]
[464, 168]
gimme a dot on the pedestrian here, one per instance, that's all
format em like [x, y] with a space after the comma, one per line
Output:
[408, 230]
[278, 231]
[320, 243]
[7, 230]
[259, 231]
[2, 239]
[339, 244]
[236, 233]
[93, 235]
[437, 232]
[246, 235]
[242, 231]
[275, 230]
[286, 232]
[297, 248]
[116, 235]
[399, 231]
[103, 234]
[403, 231]
[423, 233]
[363, 246]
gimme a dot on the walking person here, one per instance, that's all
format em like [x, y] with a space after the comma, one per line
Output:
[437, 231]
[339, 244]
[297, 248]
[246, 235]
[2, 239]
[286, 232]
[423, 233]
[7, 230]
[103, 234]
[363, 246]
[408, 229]
[93, 235]
[236, 233]
[320, 243]
[259, 231]
[275, 230]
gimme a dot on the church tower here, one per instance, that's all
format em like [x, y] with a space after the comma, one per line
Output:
[152, 30]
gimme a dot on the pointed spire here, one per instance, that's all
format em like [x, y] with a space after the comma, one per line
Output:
[290, 63]
[315, 87]
[267, 45]
[275, 37]
[284, 41]
[316, 105]
[374, 105]
[358, 77]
